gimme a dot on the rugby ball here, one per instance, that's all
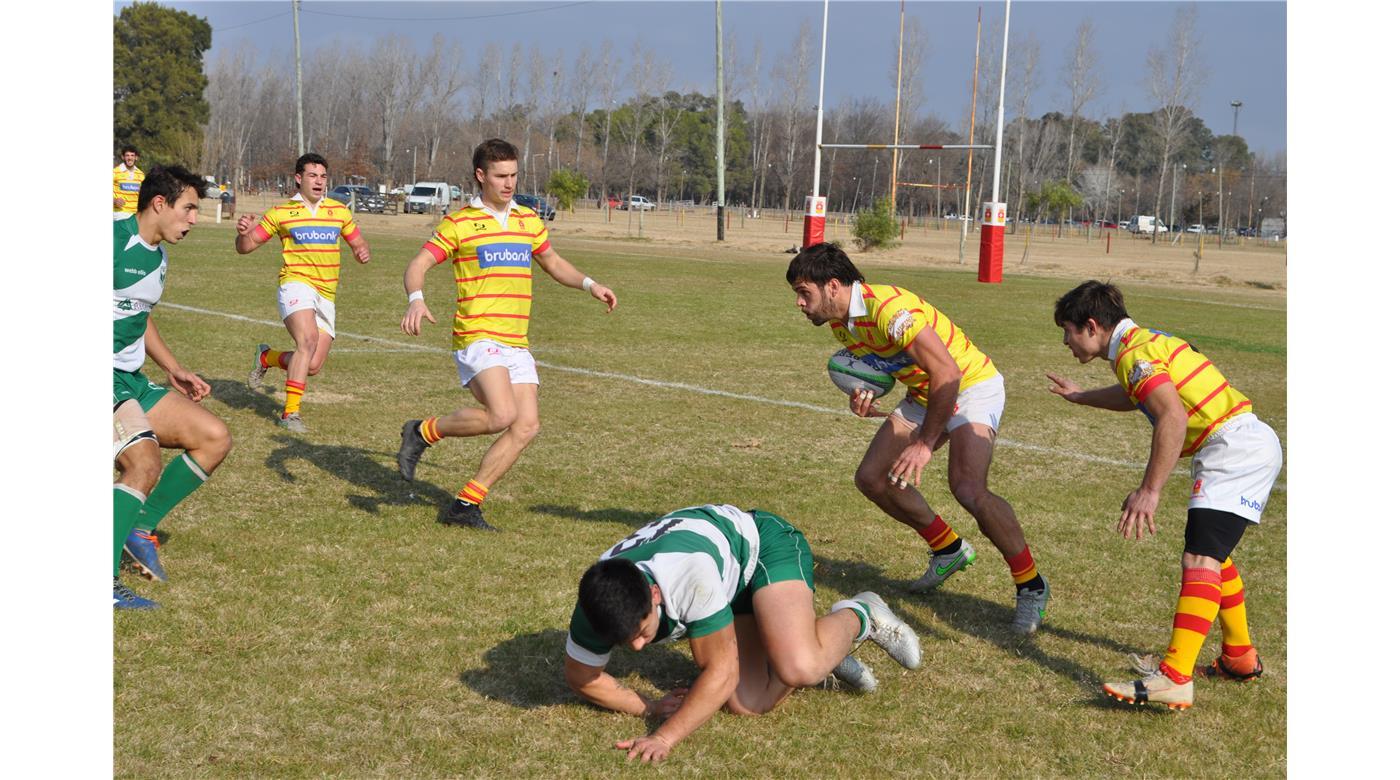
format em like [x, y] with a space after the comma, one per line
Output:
[849, 373]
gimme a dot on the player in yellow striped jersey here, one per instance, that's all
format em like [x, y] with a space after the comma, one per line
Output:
[310, 226]
[491, 243]
[1235, 458]
[126, 181]
[955, 396]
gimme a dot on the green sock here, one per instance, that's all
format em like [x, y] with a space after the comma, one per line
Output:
[181, 477]
[126, 505]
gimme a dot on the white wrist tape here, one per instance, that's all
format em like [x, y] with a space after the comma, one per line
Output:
[416, 295]
[588, 284]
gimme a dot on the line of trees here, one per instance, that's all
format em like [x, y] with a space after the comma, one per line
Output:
[392, 115]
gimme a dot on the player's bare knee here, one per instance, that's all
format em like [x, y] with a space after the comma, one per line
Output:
[498, 420]
[799, 672]
[870, 482]
[214, 440]
[969, 494]
[524, 430]
[736, 706]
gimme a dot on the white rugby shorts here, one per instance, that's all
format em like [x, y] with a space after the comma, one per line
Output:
[483, 354]
[297, 296]
[1235, 469]
[982, 403]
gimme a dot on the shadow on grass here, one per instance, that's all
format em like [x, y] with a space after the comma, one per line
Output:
[236, 395]
[358, 467]
[629, 517]
[971, 615]
[528, 671]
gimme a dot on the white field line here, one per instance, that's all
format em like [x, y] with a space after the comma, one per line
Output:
[401, 346]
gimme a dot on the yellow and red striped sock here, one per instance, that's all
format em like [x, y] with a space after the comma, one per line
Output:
[1196, 609]
[295, 390]
[1234, 628]
[272, 357]
[428, 429]
[1022, 566]
[473, 493]
[938, 534]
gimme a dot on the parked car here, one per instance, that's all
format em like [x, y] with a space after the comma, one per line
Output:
[456, 192]
[637, 203]
[536, 203]
[428, 197]
[1196, 229]
[359, 198]
[1124, 225]
[1146, 224]
[613, 202]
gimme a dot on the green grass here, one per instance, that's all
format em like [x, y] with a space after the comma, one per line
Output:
[319, 622]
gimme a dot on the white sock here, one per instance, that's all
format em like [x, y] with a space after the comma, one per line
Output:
[862, 613]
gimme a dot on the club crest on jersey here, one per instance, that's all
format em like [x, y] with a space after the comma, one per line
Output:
[309, 234]
[504, 255]
[1141, 370]
[901, 322]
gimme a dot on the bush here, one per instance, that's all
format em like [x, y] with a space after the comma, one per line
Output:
[876, 227]
[566, 185]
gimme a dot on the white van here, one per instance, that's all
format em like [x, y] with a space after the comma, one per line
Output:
[428, 197]
[1146, 224]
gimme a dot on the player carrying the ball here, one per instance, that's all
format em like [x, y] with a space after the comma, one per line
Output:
[1235, 458]
[491, 242]
[738, 585]
[956, 396]
[310, 226]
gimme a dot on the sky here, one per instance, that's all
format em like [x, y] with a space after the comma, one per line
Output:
[1243, 44]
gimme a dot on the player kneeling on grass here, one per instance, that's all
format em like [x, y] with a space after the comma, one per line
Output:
[1235, 458]
[739, 586]
[146, 416]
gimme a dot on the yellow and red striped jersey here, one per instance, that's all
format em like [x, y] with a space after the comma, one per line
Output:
[310, 240]
[882, 323]
[491, 262]
[1144, 359]
[127, 186]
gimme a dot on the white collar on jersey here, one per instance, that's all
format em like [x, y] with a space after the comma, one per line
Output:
[501, 217]
[1116, 340]
[857, 307]
[312, 206]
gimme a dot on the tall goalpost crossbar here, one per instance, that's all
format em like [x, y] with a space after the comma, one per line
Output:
[905, 146]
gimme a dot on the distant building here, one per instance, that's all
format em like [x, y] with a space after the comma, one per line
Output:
[1272, 227]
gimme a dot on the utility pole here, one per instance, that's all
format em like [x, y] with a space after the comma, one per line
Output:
[719, 124]
[296, 33]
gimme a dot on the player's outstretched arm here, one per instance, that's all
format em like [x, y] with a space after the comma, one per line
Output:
[1168, 434]
[717, 655]
[566, 274]
[413, 278]
[1113, 397]
[246, 238]
[604, 690]
[187, 383]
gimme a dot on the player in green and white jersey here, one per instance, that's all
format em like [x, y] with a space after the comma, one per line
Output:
[145, 416]
[738, 585]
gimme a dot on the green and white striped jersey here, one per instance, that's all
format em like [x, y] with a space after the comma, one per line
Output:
[701, 558]
[138, 280]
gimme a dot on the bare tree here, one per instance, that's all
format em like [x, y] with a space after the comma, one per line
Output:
[231, 92]
[396, 88]
[582, 90]
[443, 77]
[1026, 83]
[1174, 77]
[534, 91]
[793, 74]
[607, 92]
[1082, 81]
[488, 71]
[554, 106]
[636, 120]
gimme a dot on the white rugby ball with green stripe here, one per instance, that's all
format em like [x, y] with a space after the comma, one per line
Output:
[850, 373]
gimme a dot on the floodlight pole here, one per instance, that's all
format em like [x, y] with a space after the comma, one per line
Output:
[296, 34]
[719, 123]
[814, 220]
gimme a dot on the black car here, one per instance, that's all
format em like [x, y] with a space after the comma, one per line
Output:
[538, 204]
[359, 198]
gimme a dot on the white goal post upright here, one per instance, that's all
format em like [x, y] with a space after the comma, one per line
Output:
[814, 219]
[989, 254]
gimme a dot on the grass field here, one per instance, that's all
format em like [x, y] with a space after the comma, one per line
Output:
[318, 620]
